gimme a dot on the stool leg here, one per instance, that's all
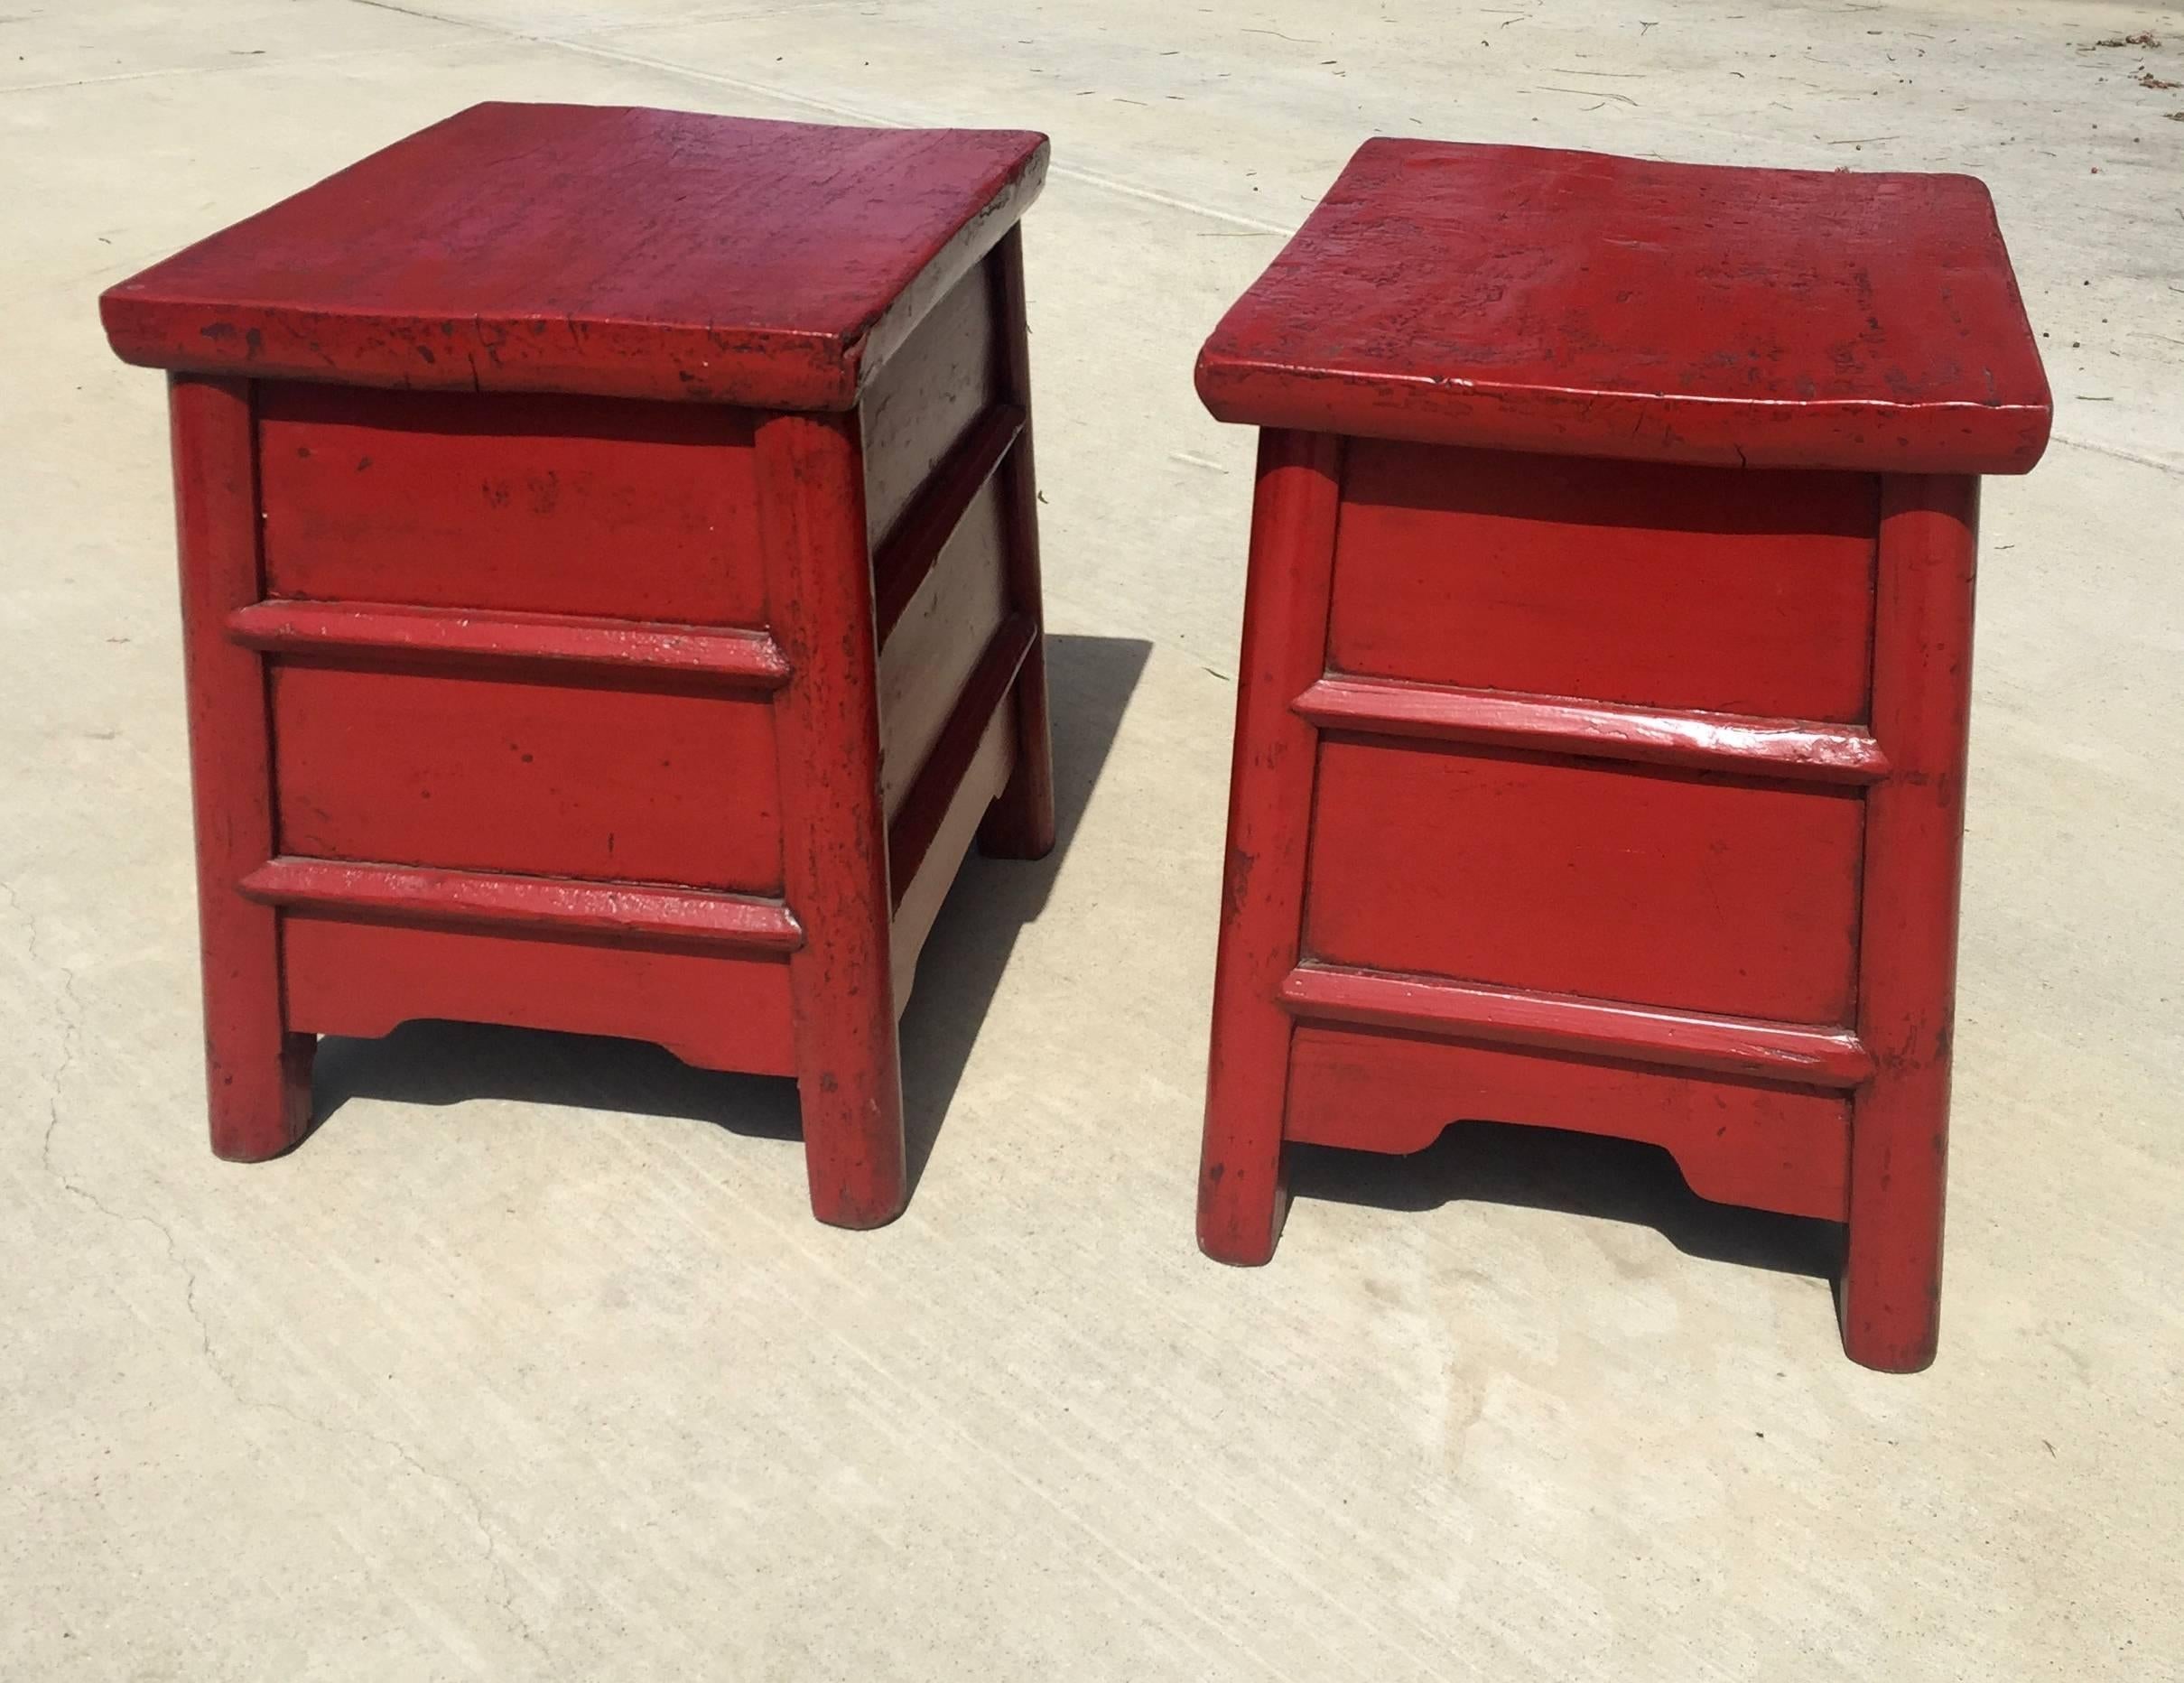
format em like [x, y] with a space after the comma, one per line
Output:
[1021, 823]
[1242, 1193]
[1914, 835]
[257, 1074]
[833, 833]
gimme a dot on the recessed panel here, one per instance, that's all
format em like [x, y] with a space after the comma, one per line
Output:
[932, 649]
[1706, 589]
[556, 505]
[919, 406]
[346, 977]
[1622, 882]
[1760, 1145]
[470, 771]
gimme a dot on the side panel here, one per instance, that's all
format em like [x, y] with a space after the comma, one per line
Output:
[365, 978]
[549, 504]
[1762, 1146]
[502, 771]
[920, 405]
[983, 778]
[1689, 588]
[1021, 822]
[933, 646]
[1625, 882]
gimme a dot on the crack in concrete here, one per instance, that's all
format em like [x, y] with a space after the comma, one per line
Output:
[71, 1044]
[2144, 458]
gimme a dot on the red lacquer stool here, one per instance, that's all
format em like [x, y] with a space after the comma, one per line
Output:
[1601, 731]
[610, 595]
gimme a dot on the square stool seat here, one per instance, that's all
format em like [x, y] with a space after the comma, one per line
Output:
[1601, 730]
[610, 594]
[621, 252]
[1573, 302]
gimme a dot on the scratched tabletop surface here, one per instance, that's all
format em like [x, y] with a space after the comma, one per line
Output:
[1576, 302]
[634, 253]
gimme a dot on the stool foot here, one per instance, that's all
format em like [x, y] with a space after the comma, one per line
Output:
[259, 1097]
[1242, 1202]
[853, 1145]
[1889, 1304]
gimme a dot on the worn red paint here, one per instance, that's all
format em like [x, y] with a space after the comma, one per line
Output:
[1601, 725]
[623, 252]
[553, 689]
[1577, 303]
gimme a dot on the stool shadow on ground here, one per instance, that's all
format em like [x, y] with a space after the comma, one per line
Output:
[1090, 680]
[1574, 1173]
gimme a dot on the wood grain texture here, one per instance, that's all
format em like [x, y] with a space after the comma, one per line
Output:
[486, 771]
[351, 976]
[934, 793]
[1242, 1194]
[546, 504]
[936, 643]
[901, 566]
[1634, 883]
[1890, 1301]
[1762, 1145]
[984, 774]
[1651, 584]
[257, 1068]
[849, 1071]
[617, 251]
[922, 406]
[1577, 303]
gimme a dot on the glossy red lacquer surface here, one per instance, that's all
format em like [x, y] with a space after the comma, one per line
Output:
[1729, 933]
[1504, 571]
[535, 699]
[1584, 304]
[1767, 1146]
[619, 251]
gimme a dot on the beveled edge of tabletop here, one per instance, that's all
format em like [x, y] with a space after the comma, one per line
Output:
[1241, 384]
[1851, 435]
[184, 331]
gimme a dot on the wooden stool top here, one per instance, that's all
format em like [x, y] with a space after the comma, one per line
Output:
[617, 251]
[1577, 304]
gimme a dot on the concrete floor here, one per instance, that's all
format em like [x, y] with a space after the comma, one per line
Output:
[530, 1362]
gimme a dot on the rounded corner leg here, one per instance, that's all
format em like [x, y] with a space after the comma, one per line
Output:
[1021, 823]
[1242, 1190]
[853, 1148]
[1889, 1304]
[257, 1074]
[834, 835]
[1243, 1198]
[1888, 1301]
[259, 1097]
